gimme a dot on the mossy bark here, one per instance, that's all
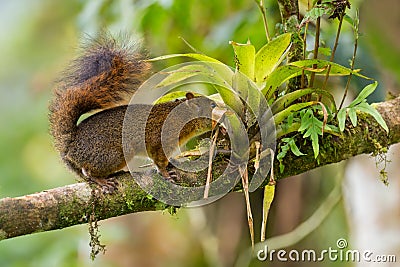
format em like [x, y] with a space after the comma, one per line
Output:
[71, 205]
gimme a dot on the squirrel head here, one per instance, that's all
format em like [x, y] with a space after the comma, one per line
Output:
[200, 105]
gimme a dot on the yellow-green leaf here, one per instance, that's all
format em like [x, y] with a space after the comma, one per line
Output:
[183, 73]
[244, 58]
[200, 57]
[269, 194]
[335, 69]
[170, 97]
[280, 116]
[284, 101]
[369, 89]
[270, 56]
[293, 69]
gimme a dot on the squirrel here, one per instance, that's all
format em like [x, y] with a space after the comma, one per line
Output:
[104, 77]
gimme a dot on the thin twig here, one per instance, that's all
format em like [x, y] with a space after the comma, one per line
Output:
[334, 49]
[353, 59]
[303, 76]
[257, 159]
[316, 45]
[210, 161]
[245, 183]
[260, 4]
[303, 83]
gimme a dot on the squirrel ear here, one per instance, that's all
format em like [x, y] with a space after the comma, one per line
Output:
[189, 95]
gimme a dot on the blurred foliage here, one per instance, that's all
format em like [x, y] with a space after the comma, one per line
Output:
[38, 37]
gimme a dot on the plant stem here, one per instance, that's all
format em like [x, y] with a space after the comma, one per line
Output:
[245, 183]
[261, 5]
[209, 172]
[334, 49]
[316, 45]
[303, 76]
[353, 59]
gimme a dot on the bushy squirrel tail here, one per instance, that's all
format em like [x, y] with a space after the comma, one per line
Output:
[106, 74]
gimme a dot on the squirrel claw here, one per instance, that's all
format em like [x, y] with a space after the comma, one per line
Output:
[169, 176]
[172, 177]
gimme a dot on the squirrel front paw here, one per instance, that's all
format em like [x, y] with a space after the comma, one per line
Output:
[106, 185]
[170, 176]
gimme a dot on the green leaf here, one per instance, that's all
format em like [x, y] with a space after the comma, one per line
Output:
[353, 116]
[241, 84]
[284, 150]
[278, 77]
[318, 11]
[311, 127]
[211, 72]
[230, 98]
[336, 69]
[248, 95]
[367, 108]
[289, 144]
[360, 103]
[170, 97]
[235, 127]
[341, 116]
[281, 167]
[245, 58]
[326, 51]
[281, 116]
[281, 155]
[290, 120]
[183, 73]
[285, 100]
[369, 89]
[348, 19]
[293, 147]
[332, 129]
[218, 75]
[315, 144]
[270, 56]
[293, 69]
[200, 57]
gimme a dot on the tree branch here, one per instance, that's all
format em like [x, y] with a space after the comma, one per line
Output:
[71, 205]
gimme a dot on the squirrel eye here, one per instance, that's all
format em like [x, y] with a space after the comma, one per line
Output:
[213, 104]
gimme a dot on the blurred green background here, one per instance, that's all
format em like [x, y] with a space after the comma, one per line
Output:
[39, 37]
